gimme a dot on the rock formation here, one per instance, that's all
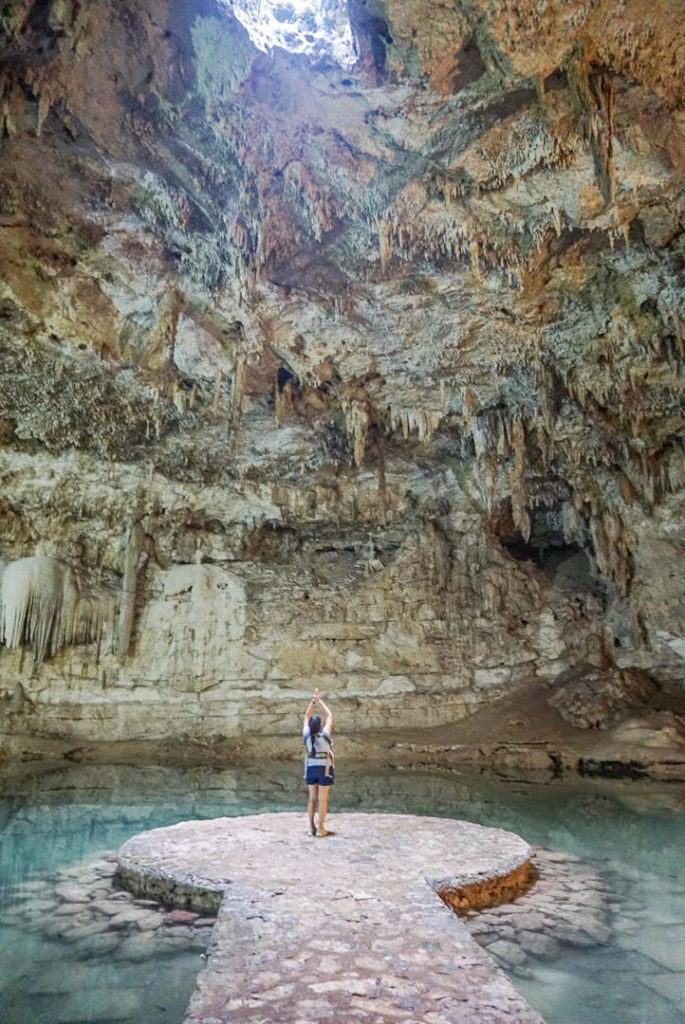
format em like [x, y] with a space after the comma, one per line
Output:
[356, 364]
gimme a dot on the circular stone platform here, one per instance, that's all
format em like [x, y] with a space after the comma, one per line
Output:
[347, 928]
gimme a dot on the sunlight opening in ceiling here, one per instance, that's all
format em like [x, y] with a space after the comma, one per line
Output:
[316, 28]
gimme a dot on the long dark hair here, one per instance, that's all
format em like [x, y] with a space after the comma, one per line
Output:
[314, 728]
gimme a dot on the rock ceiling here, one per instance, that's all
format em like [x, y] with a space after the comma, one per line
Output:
[230, 277]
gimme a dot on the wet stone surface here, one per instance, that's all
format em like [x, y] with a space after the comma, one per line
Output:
[345, 928]
[85, 907]
[81, 949]
[567, 906]
[104, 950]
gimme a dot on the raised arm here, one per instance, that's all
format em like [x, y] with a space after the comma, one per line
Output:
[310, 710]
[328, 726]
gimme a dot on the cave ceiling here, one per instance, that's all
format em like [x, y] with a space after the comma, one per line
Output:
[461, 252]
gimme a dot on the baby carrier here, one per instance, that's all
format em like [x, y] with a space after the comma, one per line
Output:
[322, 755]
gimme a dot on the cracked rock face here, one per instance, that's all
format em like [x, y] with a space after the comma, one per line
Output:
[366, 376]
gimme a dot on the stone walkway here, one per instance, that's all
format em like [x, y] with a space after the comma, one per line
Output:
[348, 928]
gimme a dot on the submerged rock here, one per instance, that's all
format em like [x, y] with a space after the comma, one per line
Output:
[509, 953]
[565, 906]
[387, 913]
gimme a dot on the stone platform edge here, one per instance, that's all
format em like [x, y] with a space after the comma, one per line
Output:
[204, 896]
[461, 892]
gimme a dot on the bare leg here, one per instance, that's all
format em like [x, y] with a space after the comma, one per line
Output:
[323, 807]
[311, 807]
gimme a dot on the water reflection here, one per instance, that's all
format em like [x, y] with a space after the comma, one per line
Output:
[631, 831]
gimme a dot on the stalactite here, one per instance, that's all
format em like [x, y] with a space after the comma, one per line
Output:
[38, 597]
[424, 422]
[239, 384]
[570, 523]
[440, 555]
[475, 258]
[605, 135]
[501, 439]
[384, 242]
[556, 218]
[453, 232]
[308, 192]
[178, 396]
[612, 550]
[479, 434]
[488, 468]
[357, 422]
[545, 444]
[12, 104]
[127, 608]
[283, 401]
[159, 349]
[594, 94]
[380, 454]
[680, 335]
[93, 619]
[44, 105]
[519, 494]
[43, 605]
[217, 391]
[675, 470]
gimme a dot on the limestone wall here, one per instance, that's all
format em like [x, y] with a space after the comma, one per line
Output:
[414, 621]
[367, 377]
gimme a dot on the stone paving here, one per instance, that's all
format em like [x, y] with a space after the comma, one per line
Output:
[347, 928]
[77, 949]
[82, 909]
[567, 906]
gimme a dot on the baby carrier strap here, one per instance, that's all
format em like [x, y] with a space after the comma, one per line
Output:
[314, 757]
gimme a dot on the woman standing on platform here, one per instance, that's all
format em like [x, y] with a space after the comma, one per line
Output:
[319, 762]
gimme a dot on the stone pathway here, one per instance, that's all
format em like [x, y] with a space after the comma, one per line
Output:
[349, 928]
[79, 948]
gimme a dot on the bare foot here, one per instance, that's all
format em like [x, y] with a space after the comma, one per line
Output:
[325, 832]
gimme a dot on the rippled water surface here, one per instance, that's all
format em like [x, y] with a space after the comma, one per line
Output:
[632, 833]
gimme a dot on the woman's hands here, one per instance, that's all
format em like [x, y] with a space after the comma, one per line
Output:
[316, 699]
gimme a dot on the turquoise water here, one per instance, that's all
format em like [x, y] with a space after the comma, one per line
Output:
[633, 833]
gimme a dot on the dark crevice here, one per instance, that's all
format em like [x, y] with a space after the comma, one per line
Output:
[470, 66]
[557, 80]
[611, 769]
[568, 564]
[282, 377]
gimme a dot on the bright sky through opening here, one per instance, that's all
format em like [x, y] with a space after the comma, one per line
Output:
[316, 28]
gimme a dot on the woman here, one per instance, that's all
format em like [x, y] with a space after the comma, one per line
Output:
[319, 762]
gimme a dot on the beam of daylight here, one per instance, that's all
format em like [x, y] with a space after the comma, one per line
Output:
[315, 28]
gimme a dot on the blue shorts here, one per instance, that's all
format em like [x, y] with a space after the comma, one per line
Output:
[316, 776]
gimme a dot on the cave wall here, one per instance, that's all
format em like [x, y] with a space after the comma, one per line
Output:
[382, 365]
[408, 613]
